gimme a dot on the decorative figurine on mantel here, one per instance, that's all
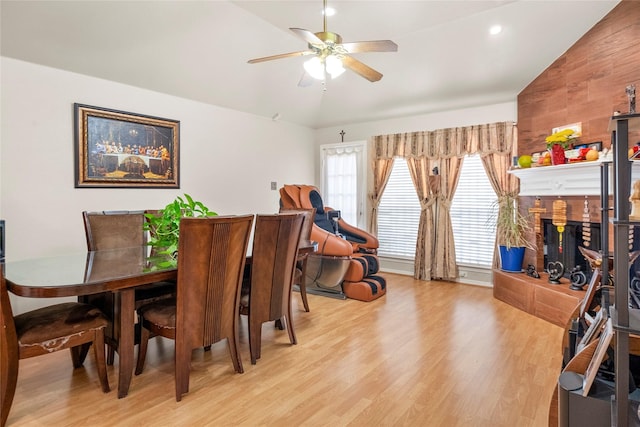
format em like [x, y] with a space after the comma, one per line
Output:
[578, 278]
[531, 272]
[559, 219]
[635, 201]
[536, 210]
[556, 271]
[631, 94]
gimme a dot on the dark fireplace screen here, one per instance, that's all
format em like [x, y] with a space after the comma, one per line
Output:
[567, 252]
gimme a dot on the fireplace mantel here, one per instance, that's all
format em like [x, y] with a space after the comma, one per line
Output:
[573, 179]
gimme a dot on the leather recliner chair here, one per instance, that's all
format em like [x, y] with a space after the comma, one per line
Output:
[345, 263]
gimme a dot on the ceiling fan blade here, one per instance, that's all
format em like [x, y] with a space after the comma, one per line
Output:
[306, 80]
[362, 69]
[280, 56]
[307, 36]
[371, 46]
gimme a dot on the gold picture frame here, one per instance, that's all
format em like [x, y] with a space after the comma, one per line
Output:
[115, 149]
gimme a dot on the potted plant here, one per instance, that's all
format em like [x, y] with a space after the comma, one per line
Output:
[511, 230]
[164, 226]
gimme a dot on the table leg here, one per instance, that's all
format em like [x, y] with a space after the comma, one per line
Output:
[126, 341]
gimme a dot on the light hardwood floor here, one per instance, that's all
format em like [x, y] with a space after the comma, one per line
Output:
[426, 354]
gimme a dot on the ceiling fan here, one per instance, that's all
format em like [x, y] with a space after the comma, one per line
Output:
[330, 55]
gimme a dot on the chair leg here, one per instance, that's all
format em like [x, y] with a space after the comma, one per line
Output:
[111, 353]
[98, 351]
[232, 343]
[290, 329]
[79, 354]
[255, 338]
[303, 285]
[8, 381]
[303, 294]
[182, 368]
[142, 349]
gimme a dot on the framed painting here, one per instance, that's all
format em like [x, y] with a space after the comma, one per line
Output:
[120, 149]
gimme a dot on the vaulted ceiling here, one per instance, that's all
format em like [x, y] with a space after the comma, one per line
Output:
[446, 58]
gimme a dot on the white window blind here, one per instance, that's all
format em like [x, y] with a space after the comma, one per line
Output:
[473, 206]
[398, 214]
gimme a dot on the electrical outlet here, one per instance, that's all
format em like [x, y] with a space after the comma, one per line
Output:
[274, 185]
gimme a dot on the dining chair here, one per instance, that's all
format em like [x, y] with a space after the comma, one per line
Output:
[116, 230]
[42, 331]
[273, 261]
[300, 276]
[211, 258]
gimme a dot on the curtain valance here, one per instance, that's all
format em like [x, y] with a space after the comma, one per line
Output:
[446, 143]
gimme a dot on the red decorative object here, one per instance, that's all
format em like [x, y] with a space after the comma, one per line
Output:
[557, 155]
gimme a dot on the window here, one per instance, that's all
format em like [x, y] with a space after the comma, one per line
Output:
[343, 181]
[472, 208]
[398, 214]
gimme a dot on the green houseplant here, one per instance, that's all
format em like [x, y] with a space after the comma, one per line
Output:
[511, 230]
[164, 226]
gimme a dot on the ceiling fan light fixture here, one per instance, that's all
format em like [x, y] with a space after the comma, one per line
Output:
[334, 66]
[331, 56]
[315, 68]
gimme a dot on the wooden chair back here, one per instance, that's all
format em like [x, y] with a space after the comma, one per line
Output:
[8, 352]
[212, 253]
[307, 223]
[114, 229]
[119, 229]
[275, 248]
[299, 278]
[211, 257]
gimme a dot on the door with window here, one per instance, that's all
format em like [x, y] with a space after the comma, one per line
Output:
[344, 185]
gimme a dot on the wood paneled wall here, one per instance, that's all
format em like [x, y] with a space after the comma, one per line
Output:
[586, 84]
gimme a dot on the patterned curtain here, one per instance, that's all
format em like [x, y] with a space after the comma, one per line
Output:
[496, 165]
[381, 172]
[435, 252]
[427, 188]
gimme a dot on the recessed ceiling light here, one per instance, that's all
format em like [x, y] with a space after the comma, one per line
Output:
[496, 29]
[329, 11]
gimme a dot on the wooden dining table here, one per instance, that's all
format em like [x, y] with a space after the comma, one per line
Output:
[84, 273]
[91, 272]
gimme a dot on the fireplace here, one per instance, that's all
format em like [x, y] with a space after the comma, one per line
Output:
[567, 252]
[572, 238]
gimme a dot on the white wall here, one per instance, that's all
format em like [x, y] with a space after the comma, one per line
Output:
[227, 158]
